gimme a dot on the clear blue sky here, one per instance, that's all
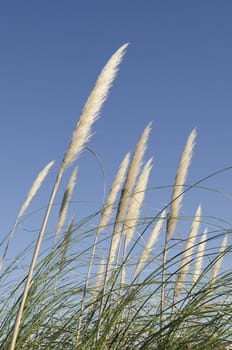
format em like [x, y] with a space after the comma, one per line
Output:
[177, 72]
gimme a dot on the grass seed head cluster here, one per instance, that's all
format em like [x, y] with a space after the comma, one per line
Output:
[121, 290]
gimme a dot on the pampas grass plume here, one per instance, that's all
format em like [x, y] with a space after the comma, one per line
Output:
[149, 244]
[218, 261]
[34, 188]
[187, 255]
[107, 210]
[80, 136]
[181, 174]
[92, 107]
[137, 201]
[199, 257]
[65, 201]
[117, 183]
[132, 174]
[31, 194]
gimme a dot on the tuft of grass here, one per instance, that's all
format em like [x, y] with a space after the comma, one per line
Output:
[118, 279]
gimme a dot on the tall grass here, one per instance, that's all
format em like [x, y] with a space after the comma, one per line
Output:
[118, 279]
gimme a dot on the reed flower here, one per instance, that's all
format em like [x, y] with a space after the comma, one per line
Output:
[71, 298]
[187, 254]
[131, 177]
[92, 107]
[218, 261]
[199, 257]
[117, 183]
[133, 211]
[34, 188]
[105, 216]
[65, 201]
[177, 195]
[136, 202]
[80, 136]
[30, 195]
[149, 244]
[106, 212]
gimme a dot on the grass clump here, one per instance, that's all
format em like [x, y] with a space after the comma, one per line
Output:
[111, 285]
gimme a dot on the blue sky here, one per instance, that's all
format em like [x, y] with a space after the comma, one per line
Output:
[177, 72]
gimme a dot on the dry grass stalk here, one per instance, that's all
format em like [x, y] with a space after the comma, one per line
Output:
[181, 174]
[80, 136]
[134, 209]
[149, 244]
[136, 202]
[34, 259]
[199, 257]
[65, 201]
[175, 205]
[91, 110]
[132, 175]
[217, 264]
[32, 192]
[34, 188]
[187, 255]
[107, 210]
[116, 185]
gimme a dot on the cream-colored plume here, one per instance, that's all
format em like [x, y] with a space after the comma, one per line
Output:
[34, 188]
[117, 183]
[92, 107]
[136, 202]
[187, 255]
[217, 264]
[30, 195]
[199, 257]
[181, 174]
[105, 215]
[80, 136]
[149, 244]
[132, 175]
[65, 201]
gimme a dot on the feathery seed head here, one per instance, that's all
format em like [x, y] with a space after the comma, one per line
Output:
[149, 244]
[136, 201]
[65, 200]
[132, 175]
[181, 175]
[34, 188]
[199, 257]
[117, 183]
[187, 255]
[92, 107]
[218, 262]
